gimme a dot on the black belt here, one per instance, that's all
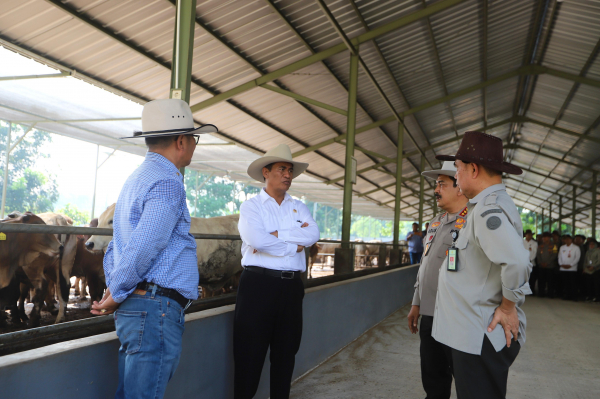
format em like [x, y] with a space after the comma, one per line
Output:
[284, 274]
[168, 292]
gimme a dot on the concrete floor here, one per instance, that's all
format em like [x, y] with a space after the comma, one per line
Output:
[561, 359]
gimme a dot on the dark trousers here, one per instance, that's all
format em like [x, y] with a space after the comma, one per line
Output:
[567, 284]
[268, 314]
[544, 281]
[533, 278]
[435, 367]
[592, 284]
[485, 375]
[415, 257]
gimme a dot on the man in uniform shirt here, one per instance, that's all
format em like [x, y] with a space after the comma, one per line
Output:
[443, 230]
[484, 279]
[531, 245]
[546, 258]
[274, 228]
[591, 271]
[568, 259]
[150, 265]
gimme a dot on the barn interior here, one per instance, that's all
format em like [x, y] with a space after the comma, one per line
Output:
[368, 92]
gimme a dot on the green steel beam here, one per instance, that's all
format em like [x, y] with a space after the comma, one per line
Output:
[520, 119]
[518, 147]
[560, 208]
[540, 70]
[421, 193]
[398, 196]
[322, 55]
[305, 99]
[183, 49]
[574, 213]
[594, 202]
[350, 127]
[43, 76]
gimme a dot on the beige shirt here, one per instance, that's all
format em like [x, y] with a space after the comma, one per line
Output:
[436, 242]
[492, 263]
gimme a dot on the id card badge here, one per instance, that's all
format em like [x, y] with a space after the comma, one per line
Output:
[452, 257]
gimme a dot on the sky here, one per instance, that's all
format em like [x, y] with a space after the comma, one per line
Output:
[73, 162]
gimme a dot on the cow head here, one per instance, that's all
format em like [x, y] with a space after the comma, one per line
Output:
[100, 243]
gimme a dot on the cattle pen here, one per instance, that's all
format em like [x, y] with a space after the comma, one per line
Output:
[33, 338]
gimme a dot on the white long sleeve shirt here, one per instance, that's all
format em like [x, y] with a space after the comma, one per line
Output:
[532, 247]
[569, 255]
[262, 215]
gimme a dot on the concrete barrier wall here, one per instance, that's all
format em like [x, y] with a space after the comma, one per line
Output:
[334, 315]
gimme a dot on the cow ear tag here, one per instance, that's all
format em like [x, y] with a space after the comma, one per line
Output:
[2, 237]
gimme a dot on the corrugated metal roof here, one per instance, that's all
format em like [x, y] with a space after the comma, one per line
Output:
[238, 41]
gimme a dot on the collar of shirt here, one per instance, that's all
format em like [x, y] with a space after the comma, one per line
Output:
[487, 191]
[264, 196]
[167, 165]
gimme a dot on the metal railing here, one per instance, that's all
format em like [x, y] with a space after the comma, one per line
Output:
[41, 336]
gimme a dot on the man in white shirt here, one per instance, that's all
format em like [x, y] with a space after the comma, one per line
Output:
[274, 228]
[532, 246]
[568, 258]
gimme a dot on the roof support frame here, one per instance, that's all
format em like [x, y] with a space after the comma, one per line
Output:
[94, 24]
[322, 55]
[388, 69]
[438, 62]
[367, 71]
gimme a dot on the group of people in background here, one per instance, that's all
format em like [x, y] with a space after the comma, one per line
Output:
[564, 266]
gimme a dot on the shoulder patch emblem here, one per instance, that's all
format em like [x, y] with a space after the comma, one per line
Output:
[460, 223]
[434, 225]
[491, 211]
[493, 223]
[464, 212]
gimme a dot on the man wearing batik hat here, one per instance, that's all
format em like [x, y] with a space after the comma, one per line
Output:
[274, 228]
[150, 265]
[484, 278]
[442, 232]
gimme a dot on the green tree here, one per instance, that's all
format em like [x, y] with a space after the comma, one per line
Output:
[27, 189]
[79, 217]
[216, 196]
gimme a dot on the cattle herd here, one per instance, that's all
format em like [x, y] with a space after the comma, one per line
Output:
[38, 268]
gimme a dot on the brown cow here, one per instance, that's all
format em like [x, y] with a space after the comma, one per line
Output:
[312, 257]
[30, 254]
[88, 268]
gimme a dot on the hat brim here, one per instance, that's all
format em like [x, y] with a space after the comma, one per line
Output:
[163, 133]
[255, 168]
[504, 167]
[433, 174]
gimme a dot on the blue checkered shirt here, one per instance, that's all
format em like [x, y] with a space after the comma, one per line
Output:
[151, 240]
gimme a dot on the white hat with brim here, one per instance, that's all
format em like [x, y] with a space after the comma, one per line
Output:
[169, 117]
[281, 153]
[448, 169]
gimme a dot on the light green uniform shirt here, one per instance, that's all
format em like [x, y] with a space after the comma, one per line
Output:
[492, 263]
[592, 261]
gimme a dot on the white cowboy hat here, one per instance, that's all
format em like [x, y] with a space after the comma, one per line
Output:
[281, 153]
[170, 117]
[448, 169]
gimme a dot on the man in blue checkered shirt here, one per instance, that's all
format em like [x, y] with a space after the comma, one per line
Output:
[150, 265]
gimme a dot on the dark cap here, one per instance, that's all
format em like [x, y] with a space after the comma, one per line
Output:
[528, 231]
[482, 149]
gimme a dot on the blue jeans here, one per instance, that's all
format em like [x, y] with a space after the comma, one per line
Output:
[415, 257]
[150, 328]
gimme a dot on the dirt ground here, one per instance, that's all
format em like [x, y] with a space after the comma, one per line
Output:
[77, 309]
